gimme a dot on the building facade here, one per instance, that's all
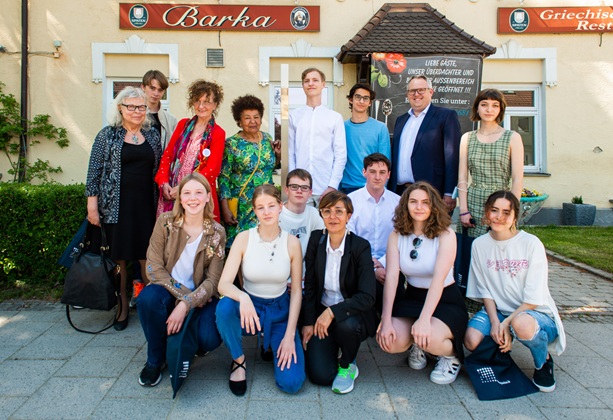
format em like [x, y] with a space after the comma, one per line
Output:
[558, 84]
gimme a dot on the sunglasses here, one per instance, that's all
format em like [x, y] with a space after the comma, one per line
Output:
[416, 244]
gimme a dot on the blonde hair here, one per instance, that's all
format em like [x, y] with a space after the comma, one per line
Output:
[178, 211]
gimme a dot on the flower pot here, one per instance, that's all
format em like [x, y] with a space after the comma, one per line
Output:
[578, 214]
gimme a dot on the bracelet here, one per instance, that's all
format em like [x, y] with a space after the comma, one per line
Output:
[464, 214]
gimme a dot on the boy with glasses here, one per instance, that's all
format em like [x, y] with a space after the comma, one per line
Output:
[296, 217]
[365, 136]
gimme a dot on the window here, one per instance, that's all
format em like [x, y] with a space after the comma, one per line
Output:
[297, 98]
[524, 114]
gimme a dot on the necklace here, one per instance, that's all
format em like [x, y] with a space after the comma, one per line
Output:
[490, 134]
[134, 134]
[270, 246]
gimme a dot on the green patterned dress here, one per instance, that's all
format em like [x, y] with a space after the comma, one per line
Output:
[240, 158]
[489, 165]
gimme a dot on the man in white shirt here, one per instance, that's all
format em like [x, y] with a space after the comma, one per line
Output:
[374, 208]
[317, 138]
[296, 217]
[155, 84]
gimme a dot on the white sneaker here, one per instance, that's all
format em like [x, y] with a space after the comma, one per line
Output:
[446, 370]
[417, 358]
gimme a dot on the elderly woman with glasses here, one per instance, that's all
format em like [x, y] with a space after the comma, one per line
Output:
[196, 146]
[120, 190]
[431, 315]
[339, 297]
[248, 161]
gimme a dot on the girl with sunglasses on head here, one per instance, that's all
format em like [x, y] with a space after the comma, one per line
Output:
[431, 316]
[508, 273]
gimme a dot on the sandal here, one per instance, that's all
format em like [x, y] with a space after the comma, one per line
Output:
[238, 388]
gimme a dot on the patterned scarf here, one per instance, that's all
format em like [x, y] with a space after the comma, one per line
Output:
[182, 144]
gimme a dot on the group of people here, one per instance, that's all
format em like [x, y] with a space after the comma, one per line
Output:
[197, 215]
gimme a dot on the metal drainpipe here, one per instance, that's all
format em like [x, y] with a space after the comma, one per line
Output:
[23, 148]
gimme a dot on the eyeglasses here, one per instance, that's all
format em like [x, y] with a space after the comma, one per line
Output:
[416, 244]
[203, 103]
[141, 108]
[326, 213]
[361, 98]
[421, 91]
[296, 187]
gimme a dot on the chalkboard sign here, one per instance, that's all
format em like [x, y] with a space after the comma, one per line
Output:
[456, 81]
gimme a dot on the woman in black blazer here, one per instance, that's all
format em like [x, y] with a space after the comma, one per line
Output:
[339, 297]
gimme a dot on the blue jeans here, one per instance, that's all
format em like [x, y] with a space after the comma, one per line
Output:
[273, 315]
[155, 304]
[546, 332]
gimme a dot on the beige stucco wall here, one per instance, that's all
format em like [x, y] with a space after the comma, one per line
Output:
[578, 114]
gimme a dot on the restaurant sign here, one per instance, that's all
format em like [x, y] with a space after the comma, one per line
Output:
[538, 20]
[218, 17]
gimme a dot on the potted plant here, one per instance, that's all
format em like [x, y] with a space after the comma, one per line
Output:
[576, 213]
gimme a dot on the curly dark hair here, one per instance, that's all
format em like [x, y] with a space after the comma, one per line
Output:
[438, 221]
[201, 87]
[243, 103]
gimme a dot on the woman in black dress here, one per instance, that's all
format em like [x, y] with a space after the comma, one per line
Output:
[120, 189]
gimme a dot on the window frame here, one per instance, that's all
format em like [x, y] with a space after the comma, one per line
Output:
[538, 112]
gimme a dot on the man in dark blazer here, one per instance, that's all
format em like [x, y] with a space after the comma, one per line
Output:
[426, 144]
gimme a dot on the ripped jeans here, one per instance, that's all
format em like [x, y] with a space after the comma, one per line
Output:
[546, 332]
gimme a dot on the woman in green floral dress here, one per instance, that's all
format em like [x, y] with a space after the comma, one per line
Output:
[248, 161]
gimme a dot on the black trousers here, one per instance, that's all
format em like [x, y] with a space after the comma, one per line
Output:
[322, 354]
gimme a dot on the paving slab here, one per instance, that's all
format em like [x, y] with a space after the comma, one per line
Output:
[274, 410]
[368, 400]
[131, 408]
[208, 399]
[23, 377]
[8, 405]
[106, 362]
[65, 398]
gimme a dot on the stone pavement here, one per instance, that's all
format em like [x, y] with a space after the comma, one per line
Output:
[50, 371]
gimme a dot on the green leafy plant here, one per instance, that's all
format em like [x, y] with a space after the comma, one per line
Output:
[578, 199]
[38, 222]
[13, 136]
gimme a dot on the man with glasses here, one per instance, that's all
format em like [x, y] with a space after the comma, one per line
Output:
[365, 136]
[317, 138]
[373, 211]
[296, 217]
[426, 144]
[155, 84]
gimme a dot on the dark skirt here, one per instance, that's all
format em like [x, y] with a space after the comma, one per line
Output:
[450, 309]
[128, 239]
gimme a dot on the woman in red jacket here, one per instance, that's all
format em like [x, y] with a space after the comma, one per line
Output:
[196, 146]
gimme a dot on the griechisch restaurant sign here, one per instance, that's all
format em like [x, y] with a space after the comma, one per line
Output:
[538, 20]
[209, 17]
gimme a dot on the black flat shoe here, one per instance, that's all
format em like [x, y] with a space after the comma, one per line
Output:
[266, 355]
[238, 388]
[121, 325]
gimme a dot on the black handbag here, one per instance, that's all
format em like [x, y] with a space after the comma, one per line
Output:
[494, 374]
[91, 281]
[461, 266]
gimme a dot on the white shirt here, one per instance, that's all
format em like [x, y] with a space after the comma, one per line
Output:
[407, 143]
[317, 143]
[371, 220]
[420, 271]
[513, 272]
[183, 271]
[301, 225]
[332, 282]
